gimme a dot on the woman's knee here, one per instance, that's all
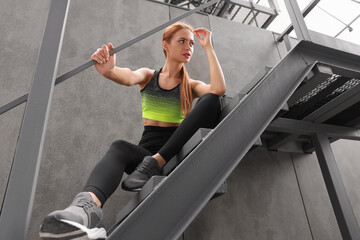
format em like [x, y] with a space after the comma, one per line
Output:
[118, 144]
[119, 154]
[210, 100]
[127, 154]
[120, 149]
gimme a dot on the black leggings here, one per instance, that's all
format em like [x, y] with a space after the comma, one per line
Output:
[123, 156]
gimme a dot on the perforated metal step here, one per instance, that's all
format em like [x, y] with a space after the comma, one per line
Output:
[329, 94]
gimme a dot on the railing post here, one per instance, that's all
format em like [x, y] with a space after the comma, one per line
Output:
[297, 20]
[344, 213]
[19, 196]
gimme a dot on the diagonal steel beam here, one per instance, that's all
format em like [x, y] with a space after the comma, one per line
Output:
[344, 213]
[301, 127]
[176, 202]
[256, 7]
[19, 196]
[90, 63]
[306, 11]
[187, 189]
[135, 40]
[14, 103]
[297, 20]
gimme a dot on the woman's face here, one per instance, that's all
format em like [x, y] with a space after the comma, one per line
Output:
[181, 46]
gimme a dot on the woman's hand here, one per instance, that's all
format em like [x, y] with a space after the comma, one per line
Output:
[205, 41]
[104, 62]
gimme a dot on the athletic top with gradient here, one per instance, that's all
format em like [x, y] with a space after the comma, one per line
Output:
[160, 104]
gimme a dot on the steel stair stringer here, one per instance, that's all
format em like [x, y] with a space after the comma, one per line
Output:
[171, 207]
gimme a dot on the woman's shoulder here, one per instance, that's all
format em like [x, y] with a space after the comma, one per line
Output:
[148, 75]
[146, 71]
[195, 83]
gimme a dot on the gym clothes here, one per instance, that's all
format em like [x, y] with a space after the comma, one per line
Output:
[123, 156]
[82, 217]
[161, 104]
[205, 114]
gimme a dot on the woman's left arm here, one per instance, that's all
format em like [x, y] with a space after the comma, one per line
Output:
[217, 81]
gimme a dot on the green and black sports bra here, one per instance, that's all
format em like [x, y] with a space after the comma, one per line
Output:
[160, 104]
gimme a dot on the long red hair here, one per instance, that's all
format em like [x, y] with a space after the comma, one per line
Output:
[185, 85]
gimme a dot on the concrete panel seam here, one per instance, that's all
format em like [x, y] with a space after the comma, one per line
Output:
[12, 162]
[301, 194]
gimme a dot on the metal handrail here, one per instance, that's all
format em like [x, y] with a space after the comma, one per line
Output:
[90, 63]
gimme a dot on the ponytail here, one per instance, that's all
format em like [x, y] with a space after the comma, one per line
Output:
[185, 85]
[185, 92]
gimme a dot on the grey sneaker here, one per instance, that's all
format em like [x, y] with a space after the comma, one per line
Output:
[81, 220]
[142, 174]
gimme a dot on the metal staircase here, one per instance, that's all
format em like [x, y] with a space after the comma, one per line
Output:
[178, 198]
[310, 98]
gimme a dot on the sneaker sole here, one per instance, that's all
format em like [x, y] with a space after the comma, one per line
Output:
[53, 228]
[131, 189]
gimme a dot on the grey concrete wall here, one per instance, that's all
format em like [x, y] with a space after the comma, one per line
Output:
[271, 195]
[22, 25]
[263, 202]
[89, 112]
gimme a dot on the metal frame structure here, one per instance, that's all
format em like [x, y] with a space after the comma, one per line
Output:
[177, 200]
[19, 196]
[297, 20]
[230, 9]
[320, 134]
[18, 201]
[304, 13]
[344, 212]
[90, 63]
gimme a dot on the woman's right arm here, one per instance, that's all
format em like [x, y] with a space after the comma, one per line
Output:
[105, 65]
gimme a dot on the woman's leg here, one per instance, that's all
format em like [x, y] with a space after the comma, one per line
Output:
[107, 174]
[204, 115]
[103, 181]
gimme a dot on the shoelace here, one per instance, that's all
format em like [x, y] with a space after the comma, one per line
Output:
[145, 168]
[84, 204]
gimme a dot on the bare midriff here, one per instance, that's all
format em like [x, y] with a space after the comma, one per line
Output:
[149, 122]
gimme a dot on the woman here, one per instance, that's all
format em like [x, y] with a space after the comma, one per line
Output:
[166, 96]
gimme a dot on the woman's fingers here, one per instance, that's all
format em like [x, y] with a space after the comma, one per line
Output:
[205, 32]
[102, 54]
[197, 31]
[204, 36]
[105, 52]
[202, 30]
[96, 58]
[111, 47]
